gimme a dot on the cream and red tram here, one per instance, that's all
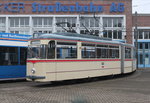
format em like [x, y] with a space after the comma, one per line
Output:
[64, 56]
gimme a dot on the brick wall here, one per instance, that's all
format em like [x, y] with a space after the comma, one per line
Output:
[143, 20]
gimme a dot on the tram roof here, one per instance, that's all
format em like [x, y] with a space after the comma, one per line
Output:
[76, 36]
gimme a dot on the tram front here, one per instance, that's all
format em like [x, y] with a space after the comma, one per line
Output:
[39, 53]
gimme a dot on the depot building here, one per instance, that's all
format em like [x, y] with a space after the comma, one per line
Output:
[107, 18]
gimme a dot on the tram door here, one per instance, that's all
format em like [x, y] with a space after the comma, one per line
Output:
[51, 50]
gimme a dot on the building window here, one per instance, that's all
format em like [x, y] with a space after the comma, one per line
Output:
[115, 34]
[19, 31]
[113, 27]
[19, 22]
[112, 21]
[89, 22]
[119, 34]
[141, 59]
[66, 24]
[43, 31]
[140, 34]
[107, 33]
[2, 31]
[66, 21]
[42, 21]
[2, 22]
[91, 32]
[144, 34]
[146, 46]
[16, 32]
[140, 45]
[90, 25]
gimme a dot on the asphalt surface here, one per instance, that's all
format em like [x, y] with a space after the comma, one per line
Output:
[132, 88]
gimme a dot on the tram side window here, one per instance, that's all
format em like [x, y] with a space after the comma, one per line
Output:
[99, 52]
[51, 50]
[43, 50]
[66, 50]
[127, 53]
[9, 56]
[88, 50]
[114, 51]
[23, 56]
[106, 51]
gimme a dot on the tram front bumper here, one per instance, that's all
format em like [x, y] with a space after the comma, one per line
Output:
[35, 77]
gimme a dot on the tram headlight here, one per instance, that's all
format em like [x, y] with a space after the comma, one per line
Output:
[33, 70]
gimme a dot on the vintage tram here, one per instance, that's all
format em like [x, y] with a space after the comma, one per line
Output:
[65, 56]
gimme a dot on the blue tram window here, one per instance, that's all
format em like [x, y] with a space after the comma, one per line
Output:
[23, 56]
[9, 56]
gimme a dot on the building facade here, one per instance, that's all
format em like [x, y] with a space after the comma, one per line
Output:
[107, 18]
[143, 23]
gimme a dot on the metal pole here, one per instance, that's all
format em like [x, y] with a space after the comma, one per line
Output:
[136, 38]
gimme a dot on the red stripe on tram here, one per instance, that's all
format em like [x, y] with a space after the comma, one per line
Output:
[36, 61]
[129, 59]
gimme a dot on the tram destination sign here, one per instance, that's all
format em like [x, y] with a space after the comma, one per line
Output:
[14, 36]
[59, 7]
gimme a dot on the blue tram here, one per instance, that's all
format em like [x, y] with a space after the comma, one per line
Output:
[13, 52]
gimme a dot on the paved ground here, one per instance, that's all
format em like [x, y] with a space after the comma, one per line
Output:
[134, 88]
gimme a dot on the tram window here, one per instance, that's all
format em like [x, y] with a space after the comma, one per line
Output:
[88, 51]
[102, 51]
[110, 53]
[51, 50]
[43, 50]
[98, 52]
[34, 52]
[9, 56]
[109, 33]
[66, 50]
[115, 53]
[128, 53]
[23, 56]
[105, 51]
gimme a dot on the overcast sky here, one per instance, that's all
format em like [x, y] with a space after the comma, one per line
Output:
[141, 6]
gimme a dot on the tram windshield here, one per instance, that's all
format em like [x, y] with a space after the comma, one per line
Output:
[42, 51]
[34, 51]
[64, 50]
